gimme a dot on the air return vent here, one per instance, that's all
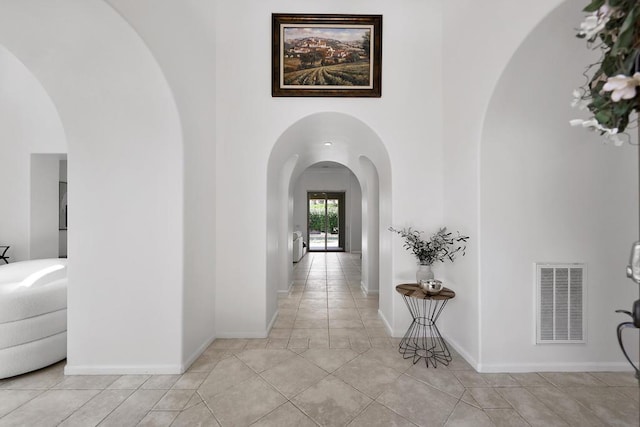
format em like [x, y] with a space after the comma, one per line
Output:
[561, 303]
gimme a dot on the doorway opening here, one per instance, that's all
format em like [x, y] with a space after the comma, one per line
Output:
[299, 164]
[325, 221]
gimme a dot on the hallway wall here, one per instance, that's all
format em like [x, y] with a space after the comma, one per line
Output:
[407, 118]
[185, 210]
[331, 179]
[125, 174]
[44, 212]
[527, 185]
[563, 196]
[29, 123]
[181, 37]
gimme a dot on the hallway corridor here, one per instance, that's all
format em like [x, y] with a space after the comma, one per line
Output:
[327, 361]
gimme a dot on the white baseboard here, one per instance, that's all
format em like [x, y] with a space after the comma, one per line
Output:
[288, 289]
[242, 334]
[367, 291]
[394, 333]
[462, 352]
[386, 323]
[273, 320]
[249, 334]
[130, 370]
[123, 370]
[197, 353]
[555, 367]
[494, 368]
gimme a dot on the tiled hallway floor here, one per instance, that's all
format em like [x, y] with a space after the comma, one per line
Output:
[327, 361]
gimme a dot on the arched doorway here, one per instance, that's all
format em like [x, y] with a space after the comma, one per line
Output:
[549, 194]
[121, 144]
[327, 209]
[333, 137]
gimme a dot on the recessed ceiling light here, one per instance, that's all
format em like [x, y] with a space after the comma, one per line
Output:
[328, 144]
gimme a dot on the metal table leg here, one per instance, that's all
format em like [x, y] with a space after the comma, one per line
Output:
[423, 339]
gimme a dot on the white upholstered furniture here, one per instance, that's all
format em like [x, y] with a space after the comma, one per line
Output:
[298, 246]
[33, 315]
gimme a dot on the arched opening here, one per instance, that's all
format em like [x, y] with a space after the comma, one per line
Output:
[122, 144]
[354, 145]
[327, 209]
[34, 148]
[549, 194]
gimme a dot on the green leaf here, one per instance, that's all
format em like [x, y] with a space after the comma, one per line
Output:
[623, 44]
[610, 65]
[615, 3]
[629, 20]
[599, 101]
[603, 117]
[622, 123]
[625, 36]
[595, 5]
[621, 108]
[630, 62]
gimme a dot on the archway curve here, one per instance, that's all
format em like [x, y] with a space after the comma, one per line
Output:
[28, 151]
[527, 166]
[332, 178]
[356, 146]
[466, 106]
[124, 138]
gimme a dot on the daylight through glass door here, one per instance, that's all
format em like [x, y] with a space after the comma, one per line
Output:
[325, 221]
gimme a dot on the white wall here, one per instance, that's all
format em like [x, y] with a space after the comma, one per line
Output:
[407, 119]
[29, 123]
[355, 208]
[441, 157]
[375, 201]
[479, 38]
[356, 146]
[181, 36]
[551, 193]
[44, 206]
[336, 179]
[512, 139]
[125, 174]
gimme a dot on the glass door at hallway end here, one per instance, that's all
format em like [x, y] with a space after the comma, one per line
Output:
[325, 220]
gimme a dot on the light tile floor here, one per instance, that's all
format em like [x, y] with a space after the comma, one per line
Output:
[327, 361]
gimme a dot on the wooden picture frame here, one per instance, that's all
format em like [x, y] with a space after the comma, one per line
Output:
[326, 55]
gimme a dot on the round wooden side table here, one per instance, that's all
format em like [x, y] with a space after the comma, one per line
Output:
[423, 339]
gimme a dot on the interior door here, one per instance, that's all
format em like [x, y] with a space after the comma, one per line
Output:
[325, 221]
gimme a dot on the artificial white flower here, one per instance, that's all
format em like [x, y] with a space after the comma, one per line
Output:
[578, 101]
[622, 87]
[595, 22]
[591, 123]
[616, 140]
[613, 137]
[594, 125]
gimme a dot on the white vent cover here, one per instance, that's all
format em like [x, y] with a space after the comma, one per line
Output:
[560, 303]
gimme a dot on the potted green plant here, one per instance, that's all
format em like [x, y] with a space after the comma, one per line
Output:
[439, 247]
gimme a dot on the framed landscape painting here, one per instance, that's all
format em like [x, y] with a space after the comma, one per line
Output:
[326, 55]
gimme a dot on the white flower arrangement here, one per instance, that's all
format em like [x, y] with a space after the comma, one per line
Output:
[611, 94]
